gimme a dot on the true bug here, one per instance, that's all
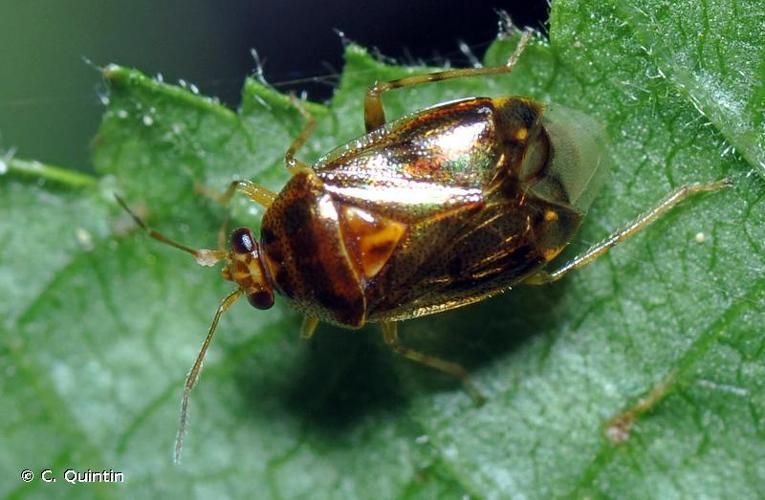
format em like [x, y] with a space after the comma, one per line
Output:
[439, 209]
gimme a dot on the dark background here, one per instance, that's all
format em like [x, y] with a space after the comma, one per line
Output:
[49, 95]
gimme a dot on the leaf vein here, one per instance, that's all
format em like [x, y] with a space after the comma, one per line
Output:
[697, 349]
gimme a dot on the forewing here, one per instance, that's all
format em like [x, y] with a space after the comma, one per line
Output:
[433, 161]
[579, 159]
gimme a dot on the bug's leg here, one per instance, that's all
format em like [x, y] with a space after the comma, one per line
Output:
[390, 335]
[627, 232]
[374, 114]
[193, 376]
[203, 256]
[222, 233]
[293, 164]
[308, 328]
[254, 192]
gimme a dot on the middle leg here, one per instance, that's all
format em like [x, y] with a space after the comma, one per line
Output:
[390, 335]
[374, 114]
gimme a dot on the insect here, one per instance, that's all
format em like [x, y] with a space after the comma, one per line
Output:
[434, 211]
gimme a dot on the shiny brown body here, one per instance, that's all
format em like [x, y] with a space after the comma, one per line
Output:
[438, 209]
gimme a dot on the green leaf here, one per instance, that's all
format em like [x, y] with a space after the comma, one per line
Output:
[100, 324]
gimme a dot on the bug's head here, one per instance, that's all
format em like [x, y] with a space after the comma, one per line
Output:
[244, 266]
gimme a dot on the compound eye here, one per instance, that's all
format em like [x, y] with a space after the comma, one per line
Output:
[262, 299]
[242, 240]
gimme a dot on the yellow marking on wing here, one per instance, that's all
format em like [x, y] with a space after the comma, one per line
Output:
[522, 134]
[377, 248]
[550, 253]
[375, 235]
[551, 216]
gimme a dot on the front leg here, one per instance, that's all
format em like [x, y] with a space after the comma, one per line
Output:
[293, 164]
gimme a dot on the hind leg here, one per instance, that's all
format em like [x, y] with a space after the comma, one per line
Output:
[634, 227]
